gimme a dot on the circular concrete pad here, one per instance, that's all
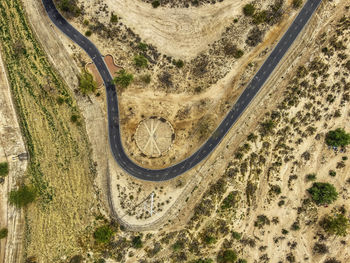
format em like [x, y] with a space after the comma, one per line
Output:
[154, 136]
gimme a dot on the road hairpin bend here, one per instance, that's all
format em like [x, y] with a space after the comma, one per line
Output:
[230, 119]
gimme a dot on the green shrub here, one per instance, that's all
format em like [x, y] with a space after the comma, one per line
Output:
[205, 260]
[76, 259]
[155, 4]
[229, 201]
[114, 18]
[88, 33]
[261, 221]
[242, 260]
[311, 177]
[297, 3]
[137, 242]
[86, 22]
[146, 78]
[87, 84]
[323, 193]
[69, 6]
[4, 169]
[178, 245]
[236, 235]
[74, 118]
[140, 61]
[285, 231]
[227, 256]
[142, 46]
[336, 225]
[124, 79]
[208, 239]
[103, 234]
[337, 138]
[178, 63]
[295, 226]
[23, 196]
[332, 173]
[3, 233]
[248, 10]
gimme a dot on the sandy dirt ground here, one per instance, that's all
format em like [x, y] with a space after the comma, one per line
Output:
[183, 32]
[11, 145]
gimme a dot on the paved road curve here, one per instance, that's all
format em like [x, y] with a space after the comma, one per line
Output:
[244, 100]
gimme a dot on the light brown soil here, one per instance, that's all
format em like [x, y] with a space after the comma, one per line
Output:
[11, 145]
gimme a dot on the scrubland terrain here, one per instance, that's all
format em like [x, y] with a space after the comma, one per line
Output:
[250, 196]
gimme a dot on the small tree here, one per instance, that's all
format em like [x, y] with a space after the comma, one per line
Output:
[87, 83]
[23, 196]
[114, 18]
[137, 242]
[337, 138]
[248, 10]
[3, 233]
[4, 169]
[227, 256]
[124, 79]
[323, 193]
[140, 61]
[336, 225]
[311, 177]
[103, 234]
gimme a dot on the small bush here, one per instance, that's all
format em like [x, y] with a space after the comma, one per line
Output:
[140, 61]
[332, 173]
[123, 79]
[311, 177]
[297, 3]
[76, 259]
[137, 242]
[227, 256]
[178, 63]
[74, 118]
[70, 7]
[88, 33]
[23, 196]
[323, 193]
[261, 221]
[295, 226]
[236, 235]
[320, 248]
[155, 4]
[336, 225]
[87, 84]
[285, 231]
[332, 260]
[3, 233]
[337, 138]
[146, 78]
[178, 245]
[248, 10]
[142, 46]
[103, 234]
[4, 169]
[114, 18]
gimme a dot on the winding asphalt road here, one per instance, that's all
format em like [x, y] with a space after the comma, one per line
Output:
[241, 104]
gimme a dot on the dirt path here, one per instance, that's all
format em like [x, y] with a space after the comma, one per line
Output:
[181, 32]
[11, 145]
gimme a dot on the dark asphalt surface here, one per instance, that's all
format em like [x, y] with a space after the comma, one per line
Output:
[241, 104]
